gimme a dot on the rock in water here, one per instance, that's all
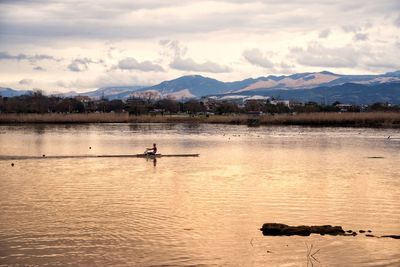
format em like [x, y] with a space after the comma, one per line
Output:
[279, 229]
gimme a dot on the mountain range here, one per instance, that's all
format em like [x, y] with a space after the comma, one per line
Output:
[310, 86]
[9, 92]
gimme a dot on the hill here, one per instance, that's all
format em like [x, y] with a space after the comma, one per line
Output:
[350, 93]
[320, 87]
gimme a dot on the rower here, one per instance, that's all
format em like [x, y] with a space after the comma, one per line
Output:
[151, 151]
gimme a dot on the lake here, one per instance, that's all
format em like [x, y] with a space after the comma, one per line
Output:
[203, 211]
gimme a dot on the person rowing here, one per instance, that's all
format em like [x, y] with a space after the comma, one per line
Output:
[151, 151]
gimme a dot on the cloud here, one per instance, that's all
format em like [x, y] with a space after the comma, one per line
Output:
[43, 57]
[36, 34]
[382, 60]
[351, 28]
[257, 58]
[81, 64]
[324, 33]
[76, 67]
[179, 62]
[357, 30]
[397, 22]
[132, 64]
[175, 48]
[8, 56]
[25, 82]
[104, 80]
[38, 68]
[188, 64]
[284, 67]
[119, 19]
[360, 37]
[361, 56]
[124, 19]
[63, 84]
[317, 55]
[383, 65]
[31, 58]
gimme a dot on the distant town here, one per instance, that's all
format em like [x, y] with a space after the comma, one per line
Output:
[150, 104]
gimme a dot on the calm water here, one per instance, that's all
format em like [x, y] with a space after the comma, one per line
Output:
[197, 211]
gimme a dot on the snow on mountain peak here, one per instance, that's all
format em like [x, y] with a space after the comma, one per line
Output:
[307, 81]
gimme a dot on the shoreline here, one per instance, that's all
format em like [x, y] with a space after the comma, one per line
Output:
[348, 119]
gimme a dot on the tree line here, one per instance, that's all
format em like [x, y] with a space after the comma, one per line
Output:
[36, 102]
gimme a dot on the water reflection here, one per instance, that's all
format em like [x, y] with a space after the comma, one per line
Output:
[39, 129]
[152, 159]
[196, 211]
[150, 127]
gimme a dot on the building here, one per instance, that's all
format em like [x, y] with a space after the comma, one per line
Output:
[83, 98]
[344, 107]
[280, 102]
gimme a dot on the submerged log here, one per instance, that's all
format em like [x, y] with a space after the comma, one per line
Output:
[279, 229]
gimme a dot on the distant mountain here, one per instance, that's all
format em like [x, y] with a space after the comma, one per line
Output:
[110, 93]
[8, 92]
[197, 86]
[67, 94]
[113, 92]
[309, 86]
[318, 79]
[350, 93]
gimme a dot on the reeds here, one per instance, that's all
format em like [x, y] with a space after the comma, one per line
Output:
[64, 118]
[311, 258]
[367, 119]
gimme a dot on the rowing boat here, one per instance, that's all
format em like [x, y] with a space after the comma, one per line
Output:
[166, 155]
[148, 156]
[97, 156]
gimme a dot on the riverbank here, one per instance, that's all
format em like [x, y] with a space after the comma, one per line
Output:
[367, 119]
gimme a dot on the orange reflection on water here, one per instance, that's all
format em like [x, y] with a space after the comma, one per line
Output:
[192, 211]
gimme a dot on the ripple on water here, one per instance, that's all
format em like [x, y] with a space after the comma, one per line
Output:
[202, 211]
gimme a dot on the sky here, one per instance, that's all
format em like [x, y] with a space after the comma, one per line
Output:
[77, 45]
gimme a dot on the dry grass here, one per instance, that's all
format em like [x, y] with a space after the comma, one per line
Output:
[370, 119]
[367, 119]
[64, 118]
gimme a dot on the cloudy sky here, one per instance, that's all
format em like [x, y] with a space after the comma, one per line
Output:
[61, 45]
